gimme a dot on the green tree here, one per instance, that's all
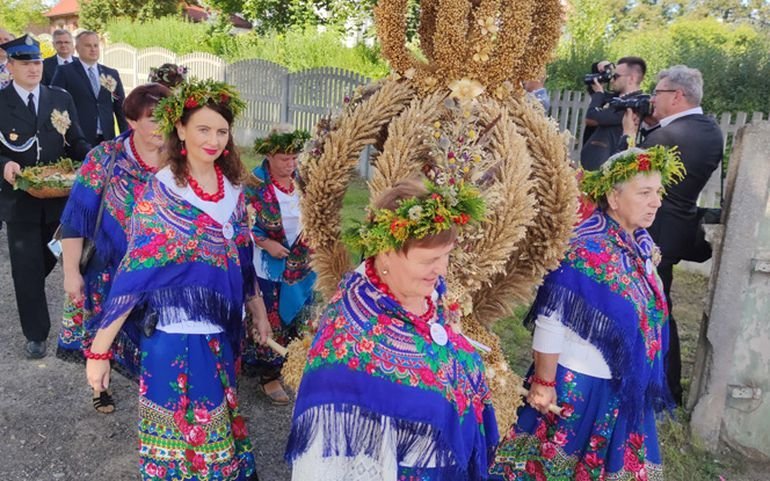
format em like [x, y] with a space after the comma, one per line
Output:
[283, 15]
[94, 14]
[588, 31]
[17, 15]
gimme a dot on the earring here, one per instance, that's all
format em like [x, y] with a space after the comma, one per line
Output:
[183, 150]
[385, 272]
[225, 153]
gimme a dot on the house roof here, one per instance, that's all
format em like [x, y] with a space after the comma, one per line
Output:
[64, 7]
[198, 14]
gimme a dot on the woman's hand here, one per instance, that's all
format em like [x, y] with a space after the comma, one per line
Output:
[275, 249]
[98, 374]
[541, 397]
[260, 326]
[74, 286]
[260, 329]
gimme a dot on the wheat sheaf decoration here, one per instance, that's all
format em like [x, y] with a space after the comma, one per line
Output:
[456, 113]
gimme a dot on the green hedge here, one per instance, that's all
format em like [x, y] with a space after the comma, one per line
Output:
[296, 49]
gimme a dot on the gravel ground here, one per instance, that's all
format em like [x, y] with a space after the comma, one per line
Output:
[50, 432]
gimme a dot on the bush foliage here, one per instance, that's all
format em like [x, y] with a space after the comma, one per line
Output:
[296, 49]
[734, 58]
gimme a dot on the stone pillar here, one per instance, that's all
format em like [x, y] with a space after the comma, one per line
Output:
[731, 385]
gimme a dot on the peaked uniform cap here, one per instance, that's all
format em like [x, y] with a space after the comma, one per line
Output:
[23, 48]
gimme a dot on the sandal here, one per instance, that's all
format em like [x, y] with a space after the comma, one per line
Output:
[103, 403]
[275, 392]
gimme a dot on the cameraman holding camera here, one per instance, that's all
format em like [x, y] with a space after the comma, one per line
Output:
[677, 229]
[625, 82]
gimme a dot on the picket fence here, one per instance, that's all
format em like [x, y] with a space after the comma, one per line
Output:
[275, 95]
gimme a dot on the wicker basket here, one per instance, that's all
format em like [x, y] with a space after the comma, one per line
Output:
[48, 192]
[52, 182]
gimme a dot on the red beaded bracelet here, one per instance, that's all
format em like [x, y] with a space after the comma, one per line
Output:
[106, 356]
[543, 382]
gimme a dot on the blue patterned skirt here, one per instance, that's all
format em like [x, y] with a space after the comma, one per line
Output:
[593, 440]
[189, 422]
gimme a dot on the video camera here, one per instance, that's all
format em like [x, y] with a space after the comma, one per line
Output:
[640, 104]
[602, 77]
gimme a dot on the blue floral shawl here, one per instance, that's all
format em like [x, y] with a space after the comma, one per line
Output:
[124, 185]
[179, 266]
[368, 365]
[608, 291]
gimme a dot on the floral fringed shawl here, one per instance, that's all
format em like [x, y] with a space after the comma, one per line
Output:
[607, 290]
[370, 372]
[124, 185]
[294, 272]
[182, 264]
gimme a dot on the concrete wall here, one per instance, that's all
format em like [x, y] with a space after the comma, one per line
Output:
[731, 390]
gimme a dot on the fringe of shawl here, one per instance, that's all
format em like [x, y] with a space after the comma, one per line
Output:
[173, 305]
[349, 430]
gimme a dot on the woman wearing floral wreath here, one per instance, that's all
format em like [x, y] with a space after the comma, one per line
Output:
[187, 273]
[281, 257]
[131, 159]
[600, 338]
[391, 391]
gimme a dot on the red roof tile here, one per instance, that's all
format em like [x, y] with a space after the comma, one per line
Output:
[64, 7]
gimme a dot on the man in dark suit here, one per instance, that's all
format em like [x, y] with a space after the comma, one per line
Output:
[676, 229]
[96, 89]
[65, 47]
[28, 137]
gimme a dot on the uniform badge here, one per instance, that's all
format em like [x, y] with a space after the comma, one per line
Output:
[13, 136]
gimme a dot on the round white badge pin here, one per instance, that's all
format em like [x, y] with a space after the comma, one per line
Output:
[438, 334]
[228, 231]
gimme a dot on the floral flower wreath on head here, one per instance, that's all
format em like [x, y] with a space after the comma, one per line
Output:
[624, 165]
[416, 218]
[194, 94]
[168, 74]
[278, 141]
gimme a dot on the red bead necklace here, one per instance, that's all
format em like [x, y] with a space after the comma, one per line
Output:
[216, 197]
[419, 321]
[138, 157]
[286, 190]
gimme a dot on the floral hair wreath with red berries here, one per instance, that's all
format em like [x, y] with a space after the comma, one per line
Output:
[194, 94]
[416, 218]
[624, 165]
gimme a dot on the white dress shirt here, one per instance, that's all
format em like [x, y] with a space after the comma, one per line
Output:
[24, 94]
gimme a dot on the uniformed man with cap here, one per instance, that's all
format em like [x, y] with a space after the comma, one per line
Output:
[28, 137]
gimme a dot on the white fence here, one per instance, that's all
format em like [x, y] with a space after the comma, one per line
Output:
[274, 95]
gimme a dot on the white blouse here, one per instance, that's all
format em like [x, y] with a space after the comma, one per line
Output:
[291, 218]
[575, 353]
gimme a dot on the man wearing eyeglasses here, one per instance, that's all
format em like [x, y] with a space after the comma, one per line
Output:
[608, 123]
[65, 47]
[677, 229]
